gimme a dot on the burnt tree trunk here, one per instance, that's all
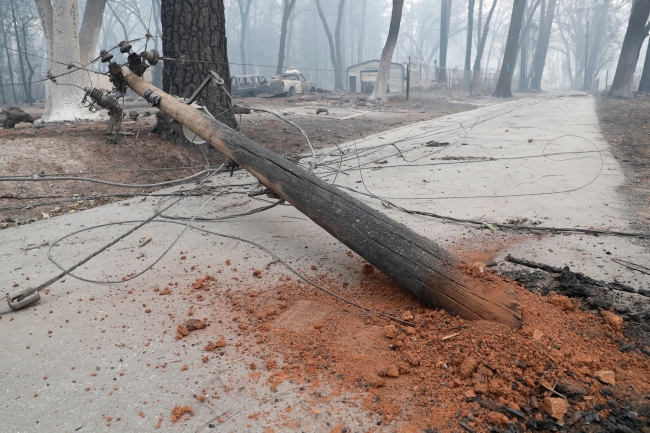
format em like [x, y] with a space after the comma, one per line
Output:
[623, 84]
[644, 84]
[541, 50]
[288, 8]
[415, 262]
[504, 85]
[196, 30]
[597, 33]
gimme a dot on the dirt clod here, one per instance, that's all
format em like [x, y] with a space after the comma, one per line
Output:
[605, 376]
[194, 324]
[555, 407]
[179, 411]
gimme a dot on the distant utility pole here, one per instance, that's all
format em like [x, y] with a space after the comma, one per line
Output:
[585, 85]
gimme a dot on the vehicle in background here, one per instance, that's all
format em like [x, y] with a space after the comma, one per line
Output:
[242, 86]
[290, 83]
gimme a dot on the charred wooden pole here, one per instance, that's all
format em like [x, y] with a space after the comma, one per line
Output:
[417, 263]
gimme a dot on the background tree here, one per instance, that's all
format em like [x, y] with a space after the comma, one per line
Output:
[244, 11]
[334, 44]
[504, 85]
[59, 19]
[637, 30]
[196, 30]
[481, 44]
[468, 44]
[445, 17]
[379, 92]
[541, 49]
[288, 8]
[644, 83]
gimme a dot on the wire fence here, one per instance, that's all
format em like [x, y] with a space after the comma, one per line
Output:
[433, 81]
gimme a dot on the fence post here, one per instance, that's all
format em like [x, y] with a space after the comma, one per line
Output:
[408, 80]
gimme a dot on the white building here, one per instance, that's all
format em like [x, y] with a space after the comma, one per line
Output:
[361, 78]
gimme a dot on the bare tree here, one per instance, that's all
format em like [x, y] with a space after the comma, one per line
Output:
[10, 69]
[288, 8]
[481, 45]
[504, 85]
[379, 92]
[445, 17]
[523, 46]
[543, 38]
[637, 30]
[335, 44]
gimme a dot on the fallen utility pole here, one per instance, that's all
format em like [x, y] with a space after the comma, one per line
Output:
[417, 263]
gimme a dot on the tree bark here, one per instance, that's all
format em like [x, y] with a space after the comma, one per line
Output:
[415, 262]
[542, 46]
[90, 26]
[383, 75]
[523, 45]
[637, 30]
[644, 84]
[504, 85]
[196, 29]
[288, 8]
[337, 42]
[362, 31]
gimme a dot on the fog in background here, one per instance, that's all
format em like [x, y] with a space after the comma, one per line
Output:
[362, 37]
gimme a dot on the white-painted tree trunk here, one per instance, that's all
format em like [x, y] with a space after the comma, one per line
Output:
[383, 75]
[60, 20]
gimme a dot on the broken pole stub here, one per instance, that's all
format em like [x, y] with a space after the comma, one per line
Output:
[415, 262]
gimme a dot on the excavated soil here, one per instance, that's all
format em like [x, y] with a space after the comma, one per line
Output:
[562, 370]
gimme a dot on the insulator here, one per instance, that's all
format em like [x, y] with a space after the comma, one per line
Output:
[102, 99]
[125, 47]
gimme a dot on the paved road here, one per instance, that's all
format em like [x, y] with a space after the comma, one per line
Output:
[89, 351]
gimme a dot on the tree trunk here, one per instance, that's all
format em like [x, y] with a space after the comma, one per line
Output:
[504, 85]
[481, 44]
[26, 85]
[523, 44]
[65, 95]
[383, 75]
[335, 50]
[10, 70]
[622, 86]
[362, 31]
[90, 26]
[288, 8]
[338, 70]
[196, 29]
[470, 32]
[597, 34]
[542, 46]
[244, 10]
[415, 262]
[444, 39]
[156, 71]
[644, 84]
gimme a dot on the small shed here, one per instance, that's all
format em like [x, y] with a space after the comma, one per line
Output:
[361, 78]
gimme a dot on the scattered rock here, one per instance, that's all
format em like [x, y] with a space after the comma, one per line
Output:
[23, 125]
[572, 390]
[194, 324]
[537, 335]
[467, 367]
[407, 315]
[470, 394]
[392, 371]
[606, 377]
[479, 269]
[614, 321]
[219, 343]
[390, 331]
[257, 273]
[555, 407]
[491, 263]
[368, 269]
[182, 331]
[496, 418]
